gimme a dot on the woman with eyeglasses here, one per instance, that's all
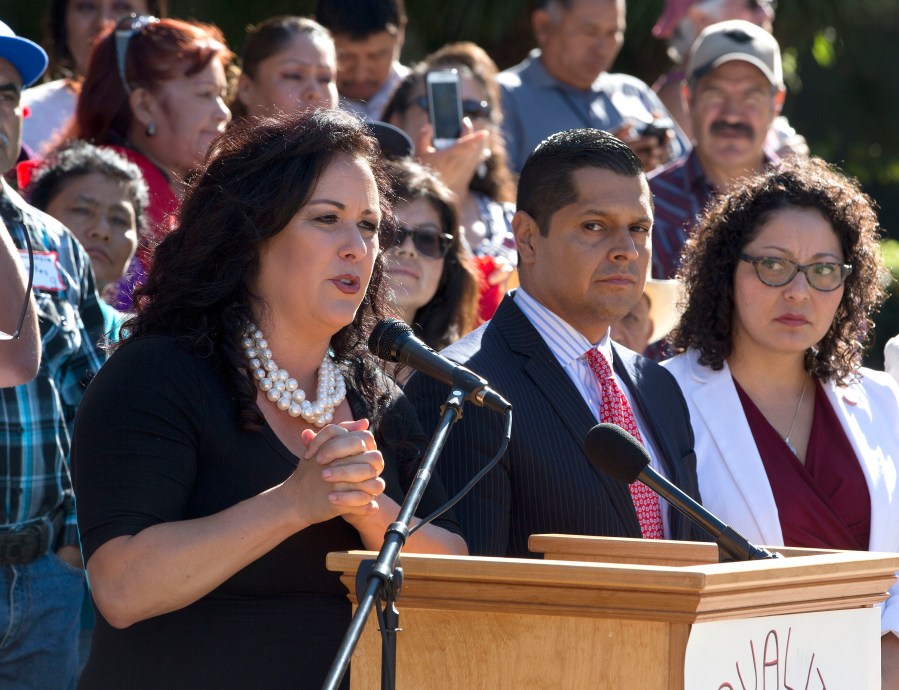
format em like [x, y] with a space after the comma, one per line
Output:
[72, 28]
[428, 268]
[796, 443]
[474, 168]
[288, 64]
[155, 92]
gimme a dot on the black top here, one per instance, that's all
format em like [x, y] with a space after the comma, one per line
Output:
[157, 440]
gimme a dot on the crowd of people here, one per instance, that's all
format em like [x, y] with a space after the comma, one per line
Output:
[196, 245]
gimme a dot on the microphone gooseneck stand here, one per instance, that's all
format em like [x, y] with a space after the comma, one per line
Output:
[381, 578]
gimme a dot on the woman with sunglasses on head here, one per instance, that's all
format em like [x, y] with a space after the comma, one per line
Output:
[155, 92]
[796, 443]
[474, 168]
[72, 28]
[212, 481]
[289, 64]
[428, 268]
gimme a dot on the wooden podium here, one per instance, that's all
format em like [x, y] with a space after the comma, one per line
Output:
[595, 613]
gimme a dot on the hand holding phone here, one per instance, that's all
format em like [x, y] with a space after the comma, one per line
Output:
[444, 106]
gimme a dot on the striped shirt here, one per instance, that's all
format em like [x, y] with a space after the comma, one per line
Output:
[570, 348]
[36, 418]
[680, 191]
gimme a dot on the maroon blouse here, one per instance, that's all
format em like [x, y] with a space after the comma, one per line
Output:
[824, 503]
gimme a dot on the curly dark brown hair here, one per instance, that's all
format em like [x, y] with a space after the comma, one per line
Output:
[710, 256]
[256, 177]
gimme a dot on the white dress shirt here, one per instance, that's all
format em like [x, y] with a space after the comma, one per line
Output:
[570, 348]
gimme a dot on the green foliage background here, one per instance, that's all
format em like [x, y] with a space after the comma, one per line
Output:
[839, 59]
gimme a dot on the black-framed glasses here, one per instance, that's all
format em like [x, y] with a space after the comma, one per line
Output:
[15, 334]
[124, 32]
[776, 271]
[476, 110]
[427, 240]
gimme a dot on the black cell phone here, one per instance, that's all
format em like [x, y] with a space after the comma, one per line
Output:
[659, 129]
[445, 106]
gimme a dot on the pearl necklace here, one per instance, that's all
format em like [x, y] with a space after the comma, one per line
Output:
[284, 391]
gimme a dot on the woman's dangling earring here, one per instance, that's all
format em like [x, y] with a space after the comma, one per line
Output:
[151, 129]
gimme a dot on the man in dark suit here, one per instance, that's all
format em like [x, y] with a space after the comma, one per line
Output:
[583, 234]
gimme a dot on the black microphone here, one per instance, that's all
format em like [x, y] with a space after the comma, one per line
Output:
[614, 451]
[394, 341]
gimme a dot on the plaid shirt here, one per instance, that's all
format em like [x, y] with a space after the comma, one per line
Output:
[680, 191]
[36, 418]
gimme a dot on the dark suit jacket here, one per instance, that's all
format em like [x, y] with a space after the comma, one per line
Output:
[544, 483]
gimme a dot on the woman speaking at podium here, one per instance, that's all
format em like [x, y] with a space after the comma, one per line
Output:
[796, 443]
[242, 430]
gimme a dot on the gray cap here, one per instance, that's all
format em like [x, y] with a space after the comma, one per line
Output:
[733, 40]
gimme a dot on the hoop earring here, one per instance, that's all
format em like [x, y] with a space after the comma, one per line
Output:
[151, 129]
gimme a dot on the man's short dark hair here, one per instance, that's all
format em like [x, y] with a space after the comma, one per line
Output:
[359, 19]
[546, 182]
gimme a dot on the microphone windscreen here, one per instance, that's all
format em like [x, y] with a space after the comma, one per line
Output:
[384, 336]
[614, 451]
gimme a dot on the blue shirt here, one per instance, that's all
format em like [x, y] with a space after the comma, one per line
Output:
[536, 105]
[36, 418]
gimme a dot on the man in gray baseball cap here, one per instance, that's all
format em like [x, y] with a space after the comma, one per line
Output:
[733, 92]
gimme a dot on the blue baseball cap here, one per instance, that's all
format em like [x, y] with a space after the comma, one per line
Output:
[26, 56]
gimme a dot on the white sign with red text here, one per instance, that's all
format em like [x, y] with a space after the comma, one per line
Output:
[804, 651]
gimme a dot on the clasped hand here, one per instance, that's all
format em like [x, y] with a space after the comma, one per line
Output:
[339, 473]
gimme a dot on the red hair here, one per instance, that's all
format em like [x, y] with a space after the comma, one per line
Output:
[161, 51]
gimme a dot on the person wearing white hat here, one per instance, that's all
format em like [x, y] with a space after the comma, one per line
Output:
[41, 575]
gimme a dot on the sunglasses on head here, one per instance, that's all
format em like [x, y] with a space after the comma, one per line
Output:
[476, 110]
[427, 240]
[125, 30]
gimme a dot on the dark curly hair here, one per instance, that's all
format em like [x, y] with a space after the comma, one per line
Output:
[451, 312]
[256, 177]
[710, 256]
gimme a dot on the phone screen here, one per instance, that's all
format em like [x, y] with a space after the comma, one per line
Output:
[444, 100]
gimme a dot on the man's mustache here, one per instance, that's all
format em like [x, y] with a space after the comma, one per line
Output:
[740, 129]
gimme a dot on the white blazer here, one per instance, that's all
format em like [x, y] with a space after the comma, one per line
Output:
[732, 478]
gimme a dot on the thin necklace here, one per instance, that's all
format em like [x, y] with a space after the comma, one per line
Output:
[796, 414]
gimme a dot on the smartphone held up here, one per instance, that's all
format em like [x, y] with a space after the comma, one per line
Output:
[444, 106]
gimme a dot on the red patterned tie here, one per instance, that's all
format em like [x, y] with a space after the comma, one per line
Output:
[614, 409]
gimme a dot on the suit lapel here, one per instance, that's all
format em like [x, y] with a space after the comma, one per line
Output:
[718, 404]
[857, 419]
[544, 370]
[630, 376]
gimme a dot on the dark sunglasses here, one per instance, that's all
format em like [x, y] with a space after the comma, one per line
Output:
[124, 32]
[426, 240]
[476, 110]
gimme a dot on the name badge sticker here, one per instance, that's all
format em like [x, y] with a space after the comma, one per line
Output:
[46, 271]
